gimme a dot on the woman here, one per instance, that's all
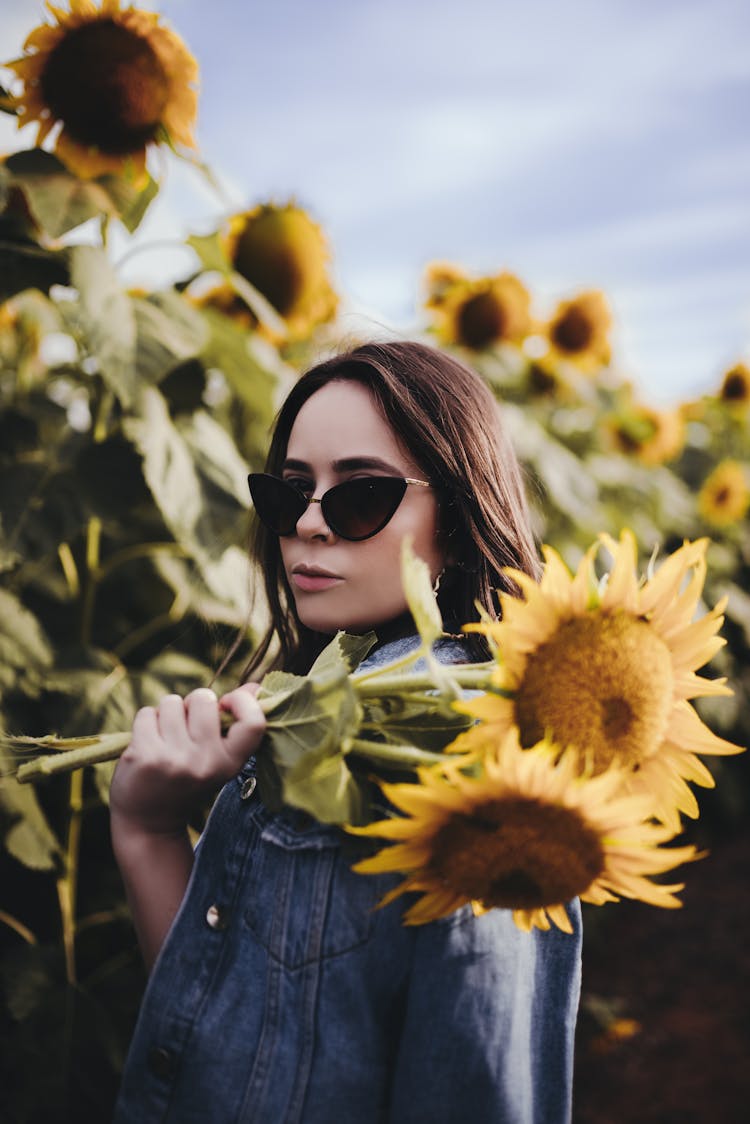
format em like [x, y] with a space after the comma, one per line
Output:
[278, 992]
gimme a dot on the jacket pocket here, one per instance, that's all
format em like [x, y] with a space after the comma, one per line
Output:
[305, 904]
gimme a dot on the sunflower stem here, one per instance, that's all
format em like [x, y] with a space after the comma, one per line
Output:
[465, 675]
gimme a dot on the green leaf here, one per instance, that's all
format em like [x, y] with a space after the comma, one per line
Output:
[417, 583]
[29, 838]
[344, 653]
[738, 608]
[314, 719]
[60, 201]
[130, 203]
[210, 251]
[427, 721]
[322, 784]
[24, 265]
[169, 330]
[215, 455]
[108, 320]
[167, 465]
[253, 381]
[25, 650]
[184, 386]
[224, 600]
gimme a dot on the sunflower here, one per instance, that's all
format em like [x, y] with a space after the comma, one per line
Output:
[481, 313]
[223, 298]
[579, 331]
[725, 497]
[527, 834]
[113, 80]
[609, 669]
[439, 279]
[285, 255]
[544, 379]
[651, 436]
[735, 386]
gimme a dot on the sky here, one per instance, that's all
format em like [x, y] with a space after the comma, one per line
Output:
[591, 143]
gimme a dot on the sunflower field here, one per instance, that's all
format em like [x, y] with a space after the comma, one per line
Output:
[129, 420]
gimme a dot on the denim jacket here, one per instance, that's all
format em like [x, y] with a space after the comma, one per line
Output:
[283, 996]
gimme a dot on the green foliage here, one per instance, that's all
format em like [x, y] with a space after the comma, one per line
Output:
[128, 423]
[123, 506]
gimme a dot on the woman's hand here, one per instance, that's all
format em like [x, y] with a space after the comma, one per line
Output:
[178, 757]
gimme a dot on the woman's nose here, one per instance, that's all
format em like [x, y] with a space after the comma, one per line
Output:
[311, 524]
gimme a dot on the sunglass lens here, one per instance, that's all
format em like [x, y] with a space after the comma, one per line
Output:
[358, 509]
[278, 505]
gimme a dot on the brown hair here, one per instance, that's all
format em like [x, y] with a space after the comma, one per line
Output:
[448, 419]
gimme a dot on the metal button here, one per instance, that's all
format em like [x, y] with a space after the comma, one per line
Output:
[248, 788]
[161, 1062]
[217, 917]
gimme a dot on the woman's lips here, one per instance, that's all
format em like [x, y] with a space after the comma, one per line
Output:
[312, 580]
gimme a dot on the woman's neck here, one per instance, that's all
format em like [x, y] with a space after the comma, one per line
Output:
[402, 625]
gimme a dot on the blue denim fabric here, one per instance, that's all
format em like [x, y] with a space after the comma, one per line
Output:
[283, 996]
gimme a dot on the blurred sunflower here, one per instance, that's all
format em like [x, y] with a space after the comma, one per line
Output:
[223, 298]
[651, 436]
[527, 834]
[735, 386]
[113, 80]
[579, 331]
[608, 669]
[481, 313]
[439, 279]
[284, 254]
[544, 379]
[725, 497]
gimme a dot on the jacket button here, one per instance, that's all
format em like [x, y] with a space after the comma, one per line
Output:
[217, 917]
[248, 788]
[161, 1062]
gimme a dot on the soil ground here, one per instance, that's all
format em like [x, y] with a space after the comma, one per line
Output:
[664, 1031]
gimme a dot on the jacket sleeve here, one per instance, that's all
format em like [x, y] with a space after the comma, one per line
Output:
[489, 1023]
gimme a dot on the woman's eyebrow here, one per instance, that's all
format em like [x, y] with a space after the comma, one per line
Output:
[345, 464]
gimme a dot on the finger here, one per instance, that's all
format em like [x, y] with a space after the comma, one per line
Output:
[202, 709]
[248, 688]
[145, 721]
[242, 703]
[246, 732]
[172, 718]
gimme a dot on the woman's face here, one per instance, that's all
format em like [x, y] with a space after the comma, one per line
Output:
[339, 434]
